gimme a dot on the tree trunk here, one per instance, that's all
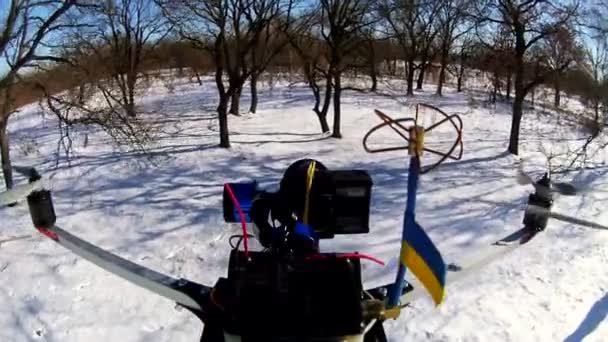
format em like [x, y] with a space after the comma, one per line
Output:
[508, 86]
[374, 86]
[323, 122]
[557, 100]
[322, 114]
[7, 169]
[290, 51]
[130, 109]
[515, 123]
[597, 111]
[130, 105]
[235, 102]
[81, 91]
[328, 93]
[459, 84]
[337, 93]
[223, 119]
[520, 91]
[460, 78]
[494, 94]
[198, 78]
[316, 91]
[410, 78]
[444, 65]
[461, 69]
[420, 80]
[254, 93]
[222, 107]
[373, 70]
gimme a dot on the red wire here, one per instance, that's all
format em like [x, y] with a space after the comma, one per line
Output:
[243, 222]
[361, 256]
[48, 233]
[349, 255]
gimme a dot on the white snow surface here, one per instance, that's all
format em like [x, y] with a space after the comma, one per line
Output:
[165, 213]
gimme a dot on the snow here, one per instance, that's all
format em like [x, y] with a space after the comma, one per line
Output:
[164, 212]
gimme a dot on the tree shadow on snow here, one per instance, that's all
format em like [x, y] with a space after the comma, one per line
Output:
[595, 316]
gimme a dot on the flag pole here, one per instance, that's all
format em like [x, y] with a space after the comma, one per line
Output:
[415, 149]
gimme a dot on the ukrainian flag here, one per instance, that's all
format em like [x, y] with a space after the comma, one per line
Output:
[419, 254]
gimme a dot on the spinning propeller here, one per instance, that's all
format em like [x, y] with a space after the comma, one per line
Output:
[561, 188]
[19, 192]
[547, 189]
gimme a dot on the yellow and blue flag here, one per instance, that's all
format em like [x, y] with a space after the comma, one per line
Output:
[419, 254]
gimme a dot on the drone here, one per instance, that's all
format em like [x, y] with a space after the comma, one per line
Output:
[290, 290]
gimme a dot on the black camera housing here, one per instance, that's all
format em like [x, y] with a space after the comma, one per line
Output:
[339, 201]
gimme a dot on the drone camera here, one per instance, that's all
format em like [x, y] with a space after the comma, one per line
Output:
[337, 202]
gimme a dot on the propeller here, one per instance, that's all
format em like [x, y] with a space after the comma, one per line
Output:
[21, 191]
[539, 203]
[28, 172]
[18, 193]
[562, 188]
[565, 218]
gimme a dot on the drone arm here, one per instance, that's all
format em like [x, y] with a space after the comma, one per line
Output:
[186, 293]
[181, 291]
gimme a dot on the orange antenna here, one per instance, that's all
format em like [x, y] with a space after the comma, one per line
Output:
[414, 135]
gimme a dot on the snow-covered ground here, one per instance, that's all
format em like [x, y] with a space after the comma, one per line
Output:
[165, 213]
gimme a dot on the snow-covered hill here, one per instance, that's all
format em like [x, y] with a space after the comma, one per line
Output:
[165, 213]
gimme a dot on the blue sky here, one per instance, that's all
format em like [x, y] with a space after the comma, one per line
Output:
[3, 13]
[4, 6]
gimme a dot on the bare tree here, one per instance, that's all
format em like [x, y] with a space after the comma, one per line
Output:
[24, 31]
[342, 22]
[466, 49]
[75, 108]
[310, 50]
[230, 30]
[412, 24]
[429, 46]
[498, 60]
[370, 51]
[560, 50]
[269, 41]
[596, 94]
[528, 21]
[326, 54]
[451, 17]
[596, 53]
[122, 37]
[590, 80]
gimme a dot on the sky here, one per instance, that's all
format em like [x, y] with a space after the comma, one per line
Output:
[3, 13]
[4, 5]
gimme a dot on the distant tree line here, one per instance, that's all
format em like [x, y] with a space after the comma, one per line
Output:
[65, 52]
